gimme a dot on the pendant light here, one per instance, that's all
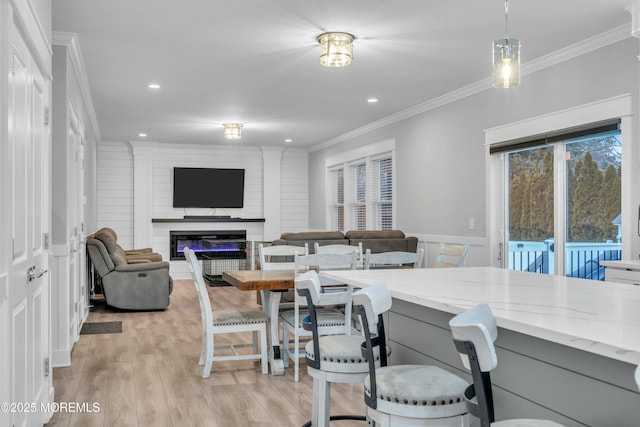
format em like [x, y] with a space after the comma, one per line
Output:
[506, 57]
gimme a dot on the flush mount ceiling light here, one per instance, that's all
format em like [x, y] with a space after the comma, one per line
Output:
[336, 49]
[506, 57]
[232, 130]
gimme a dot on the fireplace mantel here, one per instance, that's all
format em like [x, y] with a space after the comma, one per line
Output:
[212, 219]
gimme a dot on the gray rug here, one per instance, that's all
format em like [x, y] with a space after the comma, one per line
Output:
[101, 328]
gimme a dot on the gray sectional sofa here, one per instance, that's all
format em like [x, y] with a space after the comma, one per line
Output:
[377, 241]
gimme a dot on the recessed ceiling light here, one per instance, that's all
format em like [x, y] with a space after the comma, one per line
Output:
[153, 86]
[142, 135]
[372, 100]
[288, 140]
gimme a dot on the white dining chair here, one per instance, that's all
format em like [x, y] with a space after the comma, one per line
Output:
[449, 256]
[393, 259]
[474, 332]
[227, 321]
[330, 320]
[340, 249]
[279, 257]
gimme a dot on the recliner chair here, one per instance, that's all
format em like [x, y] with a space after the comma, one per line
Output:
[129, 282]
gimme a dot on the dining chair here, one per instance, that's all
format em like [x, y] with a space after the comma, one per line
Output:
[393, 259]
[340, 249]
[403, 395]
[330, 358]
[279, 257]
[227, 321]
[331, 320]
[451, 255]
[474, 332]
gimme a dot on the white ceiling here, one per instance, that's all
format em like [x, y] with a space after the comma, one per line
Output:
[257, 61]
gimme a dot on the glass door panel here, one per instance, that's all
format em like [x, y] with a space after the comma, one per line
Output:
[593, 204]
[531, 210]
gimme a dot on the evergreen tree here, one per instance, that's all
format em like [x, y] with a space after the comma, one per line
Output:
[516, 200]
[540, 197]
[584, 222]
[609, 198]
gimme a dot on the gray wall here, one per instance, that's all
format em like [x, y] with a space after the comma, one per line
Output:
[67, 88]
[440, 153]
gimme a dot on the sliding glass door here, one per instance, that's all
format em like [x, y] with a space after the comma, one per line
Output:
[568, 187]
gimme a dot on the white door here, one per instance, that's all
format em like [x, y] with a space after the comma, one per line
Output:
[75, 185]
[29, 207]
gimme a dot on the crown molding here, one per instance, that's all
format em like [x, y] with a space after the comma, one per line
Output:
[580, 48]
[70, 41]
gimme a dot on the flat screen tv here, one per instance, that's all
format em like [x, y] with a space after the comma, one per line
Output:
[208, 188]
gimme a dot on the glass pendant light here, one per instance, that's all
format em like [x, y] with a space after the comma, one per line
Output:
[506, 57]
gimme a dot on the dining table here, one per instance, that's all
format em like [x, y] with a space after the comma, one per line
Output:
[271, 284]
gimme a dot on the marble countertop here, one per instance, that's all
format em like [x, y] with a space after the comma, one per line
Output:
[592, 316]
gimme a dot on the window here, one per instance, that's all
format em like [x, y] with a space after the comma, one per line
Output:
[336, 203]
[360, 189]
[562, 200]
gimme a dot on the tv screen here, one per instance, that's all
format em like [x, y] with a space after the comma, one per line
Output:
[208, 188]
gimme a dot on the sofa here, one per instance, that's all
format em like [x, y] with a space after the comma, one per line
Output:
[377, 241]
[131, 280]
[131, 254]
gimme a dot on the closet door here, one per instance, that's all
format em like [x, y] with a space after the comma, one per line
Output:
[27, 164]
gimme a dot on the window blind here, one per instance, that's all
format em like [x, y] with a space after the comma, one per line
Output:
[359, 202]
[336, 190]
[383, 190]
[555, 136]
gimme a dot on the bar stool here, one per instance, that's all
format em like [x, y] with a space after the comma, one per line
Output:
[415, 395]
[474, 332]
[330, 358]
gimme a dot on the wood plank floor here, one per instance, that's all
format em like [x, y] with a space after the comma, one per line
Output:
[148, 375]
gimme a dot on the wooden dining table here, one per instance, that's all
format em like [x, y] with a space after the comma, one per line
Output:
[271, 285]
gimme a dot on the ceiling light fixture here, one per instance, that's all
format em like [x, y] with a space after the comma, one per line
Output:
[336, 49]
[153, 86]
[232, 130]
[506, 57]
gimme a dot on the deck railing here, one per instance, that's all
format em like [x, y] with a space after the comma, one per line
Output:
[581, 260]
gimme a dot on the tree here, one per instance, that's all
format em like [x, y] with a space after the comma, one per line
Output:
[584, 222]
[609, 198]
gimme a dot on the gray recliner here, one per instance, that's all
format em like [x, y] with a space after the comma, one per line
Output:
[131, 283]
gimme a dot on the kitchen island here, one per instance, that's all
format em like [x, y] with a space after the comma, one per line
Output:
[567, 348]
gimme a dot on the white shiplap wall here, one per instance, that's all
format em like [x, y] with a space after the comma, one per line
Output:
[114, 185]
[168, 156]
[295, 191]
[115, 190]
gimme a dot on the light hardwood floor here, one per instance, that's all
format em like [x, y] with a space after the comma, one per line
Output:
[148, 375]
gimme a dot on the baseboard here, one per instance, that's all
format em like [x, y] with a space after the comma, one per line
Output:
[60, 358]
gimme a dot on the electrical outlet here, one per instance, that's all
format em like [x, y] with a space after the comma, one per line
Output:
[472, 223]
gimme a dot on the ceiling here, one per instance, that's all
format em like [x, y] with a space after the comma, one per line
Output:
[257, 61]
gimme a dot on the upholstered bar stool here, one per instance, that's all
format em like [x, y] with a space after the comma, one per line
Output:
[474, 332]
[330, 358]
[404, 395]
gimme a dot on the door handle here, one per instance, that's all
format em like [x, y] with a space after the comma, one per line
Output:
[34, 273]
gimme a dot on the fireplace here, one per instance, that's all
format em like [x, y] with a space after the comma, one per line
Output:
[209, 245]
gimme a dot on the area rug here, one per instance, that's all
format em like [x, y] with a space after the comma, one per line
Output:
[101, 328]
